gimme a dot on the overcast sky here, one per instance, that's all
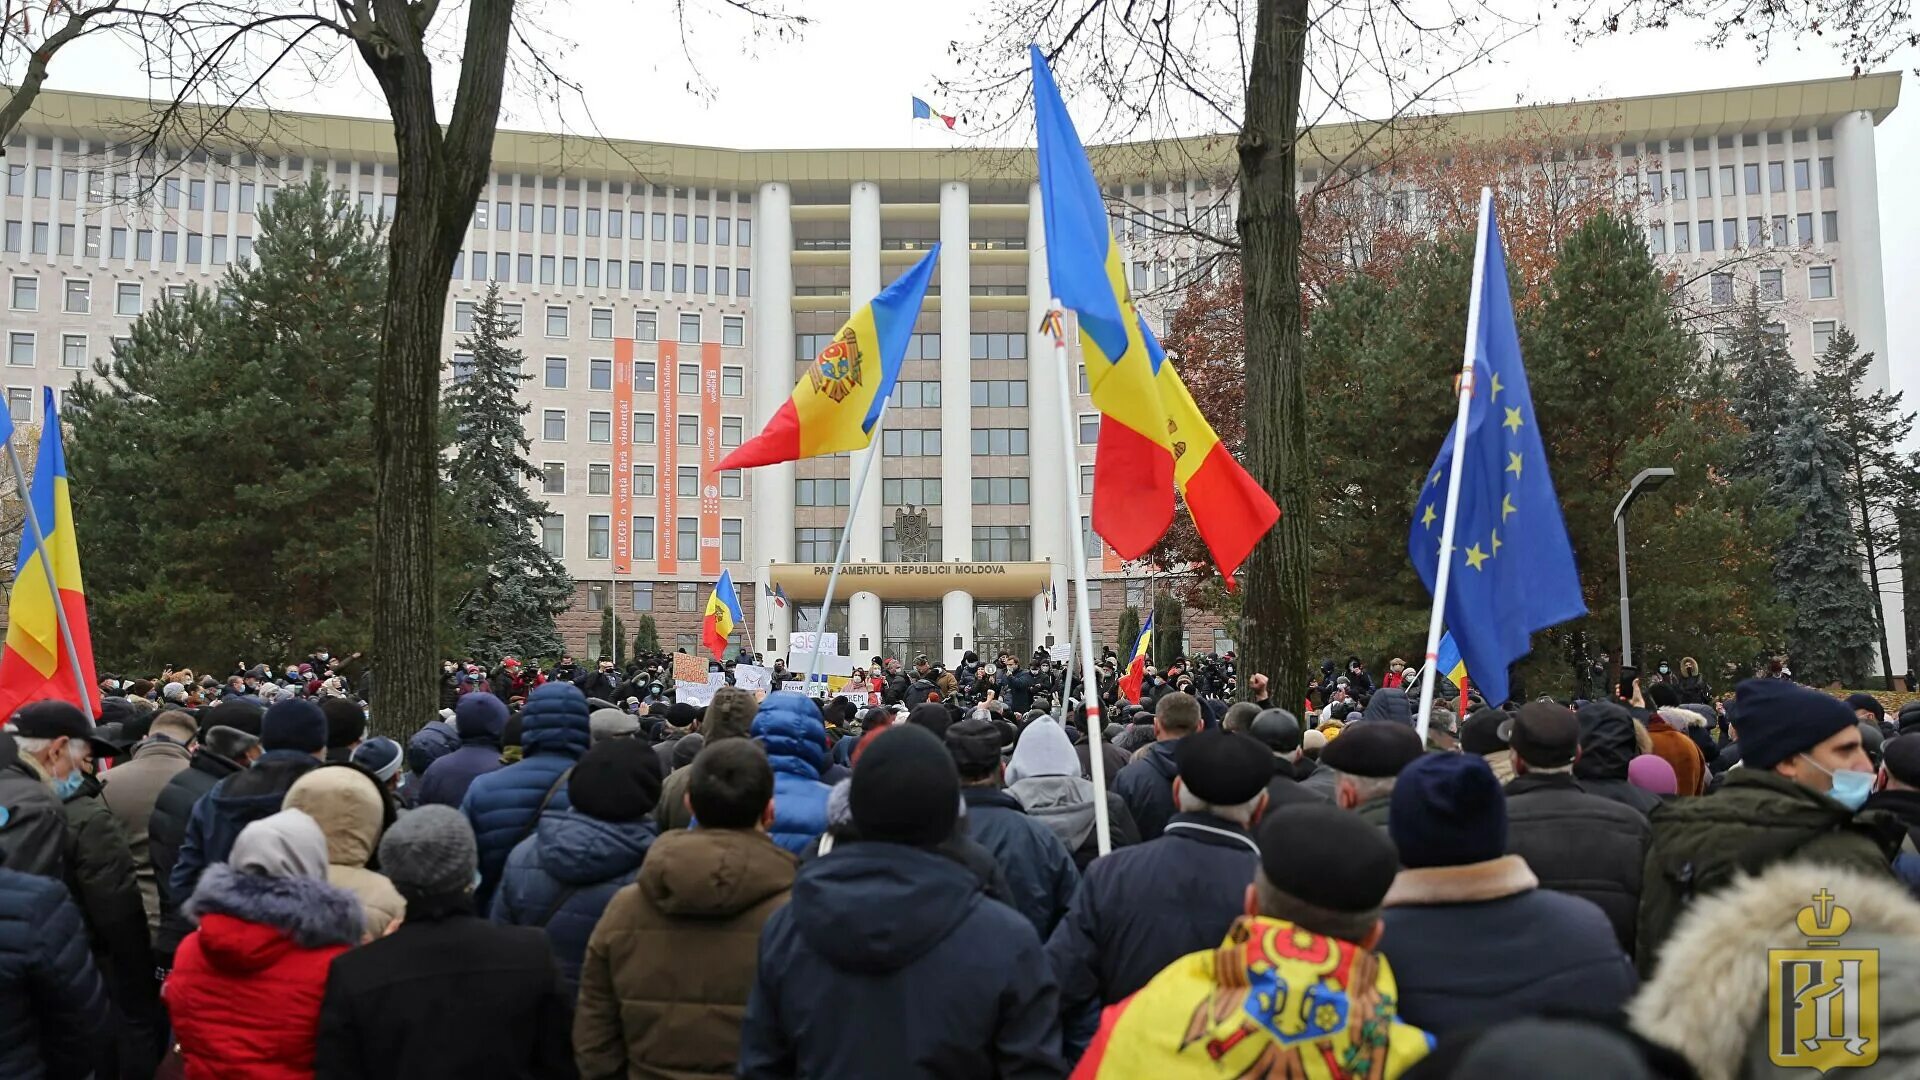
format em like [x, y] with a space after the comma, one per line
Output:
[847, 82]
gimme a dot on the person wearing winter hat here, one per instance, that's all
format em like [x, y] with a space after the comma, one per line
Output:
[560, 878]
[938, 978]
[1867, 707]
[729, 716]
[1143, 907]
[480, 720]
[1044, 774]
[505, 807]
[1038, 867]
[682, 719]
[346, 726]
[446, 993]
[293, 738]
[1280, 731]
[1471, 936]
[1609, 740]
[1311, 918]
[1365, 759]
[245, 990]
[1481, 736]
[383, 758]
[1899, 795]
[351, 809]
[611, 723]
[1802, 778]
[1147, 783]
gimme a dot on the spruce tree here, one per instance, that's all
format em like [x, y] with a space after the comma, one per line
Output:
[646, 637]
[519, 587]
[1168, 616]
[608, 648]
[1830, 634]
[1765, 384]
[1878, 480]
[1129, 632]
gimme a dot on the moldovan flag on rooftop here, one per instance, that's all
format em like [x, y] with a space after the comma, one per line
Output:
[723, 614]
[839, 401]
[34, 665]
[1152, 435]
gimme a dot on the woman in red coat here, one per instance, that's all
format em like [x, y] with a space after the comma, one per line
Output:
[245, 989]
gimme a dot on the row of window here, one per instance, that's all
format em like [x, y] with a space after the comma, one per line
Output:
[553, 480]
[77, 295]
[646, 324]
[1760, 232]
[574, 220]
[995, 346]
[40, 238]
[226, 194]
[1772, 284]
[600, 376]
[553, 536]
[553, 428]
[23, 349]
[636, 276]
[1673, 184]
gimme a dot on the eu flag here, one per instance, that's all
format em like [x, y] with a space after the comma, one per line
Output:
[1512, 566]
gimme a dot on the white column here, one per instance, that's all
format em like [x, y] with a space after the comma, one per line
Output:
[863, 232]
[1047, 510]
[956, 410]
[773, 373]
[1863, 301]
[956, 621]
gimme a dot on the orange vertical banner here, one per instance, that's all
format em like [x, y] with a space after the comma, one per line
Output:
[622, 456]
[709, 459]
[666, 533]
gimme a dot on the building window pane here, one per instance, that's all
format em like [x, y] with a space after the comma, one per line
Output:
[553, 535]
[599, 427]
[690, 328]
[556, 377]
[554, 425]
[1820, 282]
[553, 478]
[599, 536]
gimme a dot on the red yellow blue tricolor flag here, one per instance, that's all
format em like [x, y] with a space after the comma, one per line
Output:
[723, 614]
[1136, 674]
[840, 399]
[1153, 438]
[35, 664]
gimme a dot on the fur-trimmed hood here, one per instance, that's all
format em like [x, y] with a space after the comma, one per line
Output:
[1708, 1000]
[1680, 719]
[309, 913]
[1468, 884]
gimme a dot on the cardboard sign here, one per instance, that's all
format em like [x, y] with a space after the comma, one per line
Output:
[752, 677]
[688, 667]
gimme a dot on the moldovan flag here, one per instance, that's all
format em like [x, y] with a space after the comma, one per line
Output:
[1136, 673]
[34, 665]
[1152, 436]
[839, 401]
[723, 614]
[1449, 661]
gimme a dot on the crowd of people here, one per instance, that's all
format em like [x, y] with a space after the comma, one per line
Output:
[567, 873]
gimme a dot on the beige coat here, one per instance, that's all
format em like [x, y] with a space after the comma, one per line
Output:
[350, 809]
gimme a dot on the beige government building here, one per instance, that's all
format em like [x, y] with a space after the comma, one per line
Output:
[720, 272]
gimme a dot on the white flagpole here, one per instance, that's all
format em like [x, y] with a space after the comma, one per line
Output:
[840, 555]
[1077, 553]
[1453, 466]
[46, 564]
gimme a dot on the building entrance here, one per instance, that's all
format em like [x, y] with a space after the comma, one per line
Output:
[1003, 626]
[907, 630]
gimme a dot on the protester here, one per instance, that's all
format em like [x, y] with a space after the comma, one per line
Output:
[293, 738]
[53, 1006]
[1653, 775]
[729, 716]
[1667, 728]
[33, 838]
[245, 989]
[1365, 760]
[1147, 784]
[346, 727]
[1481, 736]
[1472, 938]
[222, 752]
[1899, 793]
[1039, 870]
[446, 994]
[131, 788]
[681, 719]
[560, 878]
[1575, 843]
[382, 758]
[480, 719]
[1312, 916]
[1280, 731]
[350, 808]
[1044, 775]
[671, 964]
[1608, 744]
[1142, 907]
[1802, 777]
[789, 729]
[505, 806]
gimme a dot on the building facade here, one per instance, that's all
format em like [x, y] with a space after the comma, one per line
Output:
[705, 279]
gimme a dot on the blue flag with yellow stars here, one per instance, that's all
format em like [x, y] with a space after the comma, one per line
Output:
[1513, 569]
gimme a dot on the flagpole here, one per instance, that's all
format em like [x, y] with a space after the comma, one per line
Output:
[53, 587]
[1453, 465]
[1077, 553]
[840, 555]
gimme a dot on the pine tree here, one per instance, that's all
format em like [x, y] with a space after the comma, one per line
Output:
[607, 643]
[1168, 617]
[1878, 480]
[1129, 631]
[646, 637]
[1830, 636]
[519, 586]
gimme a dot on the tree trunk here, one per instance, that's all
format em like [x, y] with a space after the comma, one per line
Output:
[440, 174]
[1873, 570]
[1275, 619]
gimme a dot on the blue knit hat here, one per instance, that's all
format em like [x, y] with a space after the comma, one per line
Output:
[1778, 718]
[1448, 810]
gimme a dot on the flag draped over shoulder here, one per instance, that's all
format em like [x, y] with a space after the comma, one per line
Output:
[723, 614]
[1512, 571]
[1136, 673]
[1153, 438]
[839, 400]
[34, 666]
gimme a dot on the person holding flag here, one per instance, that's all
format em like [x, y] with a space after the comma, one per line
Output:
[1489, 486]
[1135, 676]
[49, 650]
[723, 614]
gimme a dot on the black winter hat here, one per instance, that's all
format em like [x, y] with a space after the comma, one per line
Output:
[1329, 857]
[1277, 729]
[1662, 696]
[1545, 734]
[346, 722]
[933, 716]
[1868, 702]
[237, 715]
[1222, 767]
[1779, 719]
[617, 780]
[905, 789]
[1448, 810]
[50, 720]
[294, 724]
[975, 746]
[1481, 733]
[1372, 749]
[1901, 757]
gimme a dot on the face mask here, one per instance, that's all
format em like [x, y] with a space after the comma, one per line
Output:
[71, 784]
[1663, 669]
[324, 656]
[1850, 789]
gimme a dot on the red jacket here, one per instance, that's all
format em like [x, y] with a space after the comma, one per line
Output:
[244, 994]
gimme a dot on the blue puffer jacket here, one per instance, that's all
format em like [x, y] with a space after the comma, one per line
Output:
[234, 803]
[53, 1007]
[789, 729]
[562, 876]
[501, 805]
[479, 718]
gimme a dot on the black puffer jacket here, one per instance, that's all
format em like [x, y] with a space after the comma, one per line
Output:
[53, 1008]
[1580, 844]
[165, 831]
[33, 836]
[1606, 746]
[100, 875]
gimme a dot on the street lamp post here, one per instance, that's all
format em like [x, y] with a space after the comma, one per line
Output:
[1646, 481]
